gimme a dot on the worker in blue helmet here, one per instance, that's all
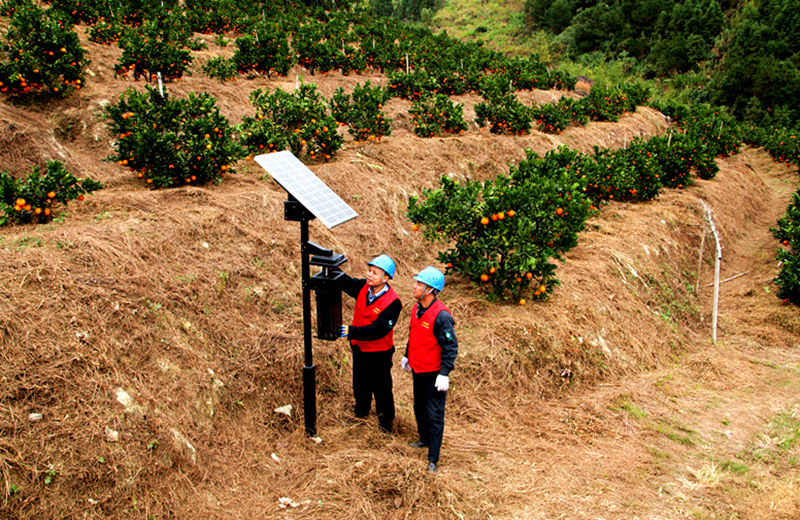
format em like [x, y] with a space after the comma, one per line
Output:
[430, 355]
[371, 336]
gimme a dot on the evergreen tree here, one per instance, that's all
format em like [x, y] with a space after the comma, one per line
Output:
[382, 7]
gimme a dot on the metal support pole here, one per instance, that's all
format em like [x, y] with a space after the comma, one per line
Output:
[309, 376]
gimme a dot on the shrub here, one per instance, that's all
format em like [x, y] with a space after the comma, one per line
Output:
[681, 156]
[503, 233]
[220, 68]
[434, 114]
[504, 113]
[607, 104]
[298, 122]
[41, 53]
[551, 117]
[105, 33]
[782, 144]
[362, 111]
[157, 47]
[266, 51]
[36, 198]
[171, 142]
[627, 175]
[788, 234]
[411, 86]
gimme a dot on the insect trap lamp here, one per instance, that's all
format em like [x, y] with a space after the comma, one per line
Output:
[310, 198]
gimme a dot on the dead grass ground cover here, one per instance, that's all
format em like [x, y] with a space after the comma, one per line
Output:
[157, 331]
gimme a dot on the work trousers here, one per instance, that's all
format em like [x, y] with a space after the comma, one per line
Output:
[429, 411]
[372, 375]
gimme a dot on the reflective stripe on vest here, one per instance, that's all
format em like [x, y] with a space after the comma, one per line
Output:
[366, 314]
[424, 352]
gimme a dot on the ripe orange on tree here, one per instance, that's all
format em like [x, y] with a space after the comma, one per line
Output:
[485, 277]
[485, 221]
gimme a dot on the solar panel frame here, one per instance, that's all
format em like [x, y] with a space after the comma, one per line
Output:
[301, 183]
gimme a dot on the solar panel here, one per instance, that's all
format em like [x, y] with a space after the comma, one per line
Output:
[307, 188]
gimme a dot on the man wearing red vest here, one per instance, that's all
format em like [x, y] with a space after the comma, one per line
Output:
[372, 339]
[430, 354]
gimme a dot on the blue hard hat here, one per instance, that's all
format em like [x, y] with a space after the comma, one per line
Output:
[385, 263]
[432, 277]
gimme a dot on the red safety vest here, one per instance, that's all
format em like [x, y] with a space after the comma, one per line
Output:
[365, 314]
[424, 352]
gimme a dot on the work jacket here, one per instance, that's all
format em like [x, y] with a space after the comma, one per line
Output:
[365, 314]
[424, 352]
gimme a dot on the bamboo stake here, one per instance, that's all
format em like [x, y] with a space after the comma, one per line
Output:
[700, 261]
[731, 278]
[716, 272]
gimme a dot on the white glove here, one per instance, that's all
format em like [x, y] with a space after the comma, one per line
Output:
[442, 383]
[404, 363]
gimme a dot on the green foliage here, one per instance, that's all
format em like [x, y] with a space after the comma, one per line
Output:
[504, 232]
[504, 113]
[411, 86]
[40, 52]
[324, 48]
[759, 79]
[381, 7]
[171, 142]
[632, 174]
[362, 111]
[670, 36]
[552, 118]
[217, 16]
[220, 68]
[781, 143]
[36, 198]
[298, 122]
[434, 114]
[266, 51]
[681, 156]
[607, 104]
[105, 32]
[157, 47]
[788, 234]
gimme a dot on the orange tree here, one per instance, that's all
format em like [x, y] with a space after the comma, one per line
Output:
[266, 50]
[788, 234]
[155, 46]
[501, 110]
[298, 122]
[40, 52]
[631, 174]
[105, 32]
[434, 114]
[502, 233]
[35, 198]
[362, 111]
[170, 142]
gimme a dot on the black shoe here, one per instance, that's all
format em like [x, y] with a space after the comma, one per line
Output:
[419, 444]
[432, 467]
